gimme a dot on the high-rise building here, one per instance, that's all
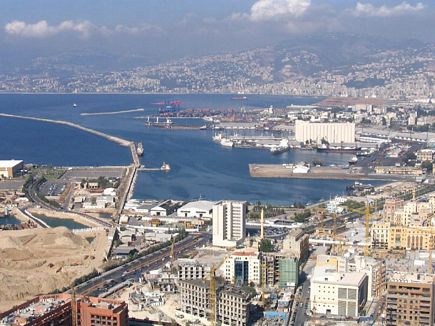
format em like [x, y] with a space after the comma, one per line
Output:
[331, 132]
[296, 244]
[410, 299]
[243, 267]
[288, 272]
[56, 309]
[229, 223]
[340, 294]
[232, 303]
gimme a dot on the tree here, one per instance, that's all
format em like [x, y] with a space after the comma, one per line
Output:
[428, 165]
[266, 246]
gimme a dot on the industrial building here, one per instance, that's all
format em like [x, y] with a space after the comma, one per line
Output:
[56, 309]
[331, 132]
[196, 209]
[232, 303]
[339, 294]
[229, 223]
[410, 299]
[10, 168]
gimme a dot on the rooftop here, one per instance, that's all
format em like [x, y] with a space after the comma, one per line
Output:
[200, 204]
[407, 277]
[9, 163]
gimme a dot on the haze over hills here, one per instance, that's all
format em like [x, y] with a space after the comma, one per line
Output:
[332, 64]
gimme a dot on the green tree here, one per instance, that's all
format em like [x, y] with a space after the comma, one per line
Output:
[266, 246]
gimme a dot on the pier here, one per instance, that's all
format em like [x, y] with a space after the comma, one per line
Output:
[131, 170]
[325, 173]
[114, 139]
[111, 138]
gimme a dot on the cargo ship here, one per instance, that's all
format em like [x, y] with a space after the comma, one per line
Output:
[339, 149]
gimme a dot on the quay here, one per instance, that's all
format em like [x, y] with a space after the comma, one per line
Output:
[326, 173]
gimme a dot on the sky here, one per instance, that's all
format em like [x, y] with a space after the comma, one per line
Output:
[158, 30]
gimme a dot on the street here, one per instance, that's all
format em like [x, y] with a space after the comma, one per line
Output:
[134, 268]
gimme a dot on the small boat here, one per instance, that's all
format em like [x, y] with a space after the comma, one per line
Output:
[204, 127]
[139, 149]
[165, 167]
[74, 105]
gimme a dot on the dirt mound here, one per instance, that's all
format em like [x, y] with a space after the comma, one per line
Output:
[42, 260]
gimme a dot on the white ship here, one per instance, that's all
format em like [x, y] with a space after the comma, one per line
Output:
[165, 167]
[139, 149]
[227, 142]
[281, 148]
[74, 105]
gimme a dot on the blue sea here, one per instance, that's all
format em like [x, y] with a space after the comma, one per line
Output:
[200, 168]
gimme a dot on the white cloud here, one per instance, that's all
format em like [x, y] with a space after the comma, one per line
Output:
[367, 9]
[264, 10]
[42, 29]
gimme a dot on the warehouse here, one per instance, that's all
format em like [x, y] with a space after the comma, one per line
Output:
[10, 168]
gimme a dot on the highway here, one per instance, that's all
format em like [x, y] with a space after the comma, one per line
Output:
[32, 192]
[133, 269]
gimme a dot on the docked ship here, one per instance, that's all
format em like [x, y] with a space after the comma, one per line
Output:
[226, 142]
[165, 167]
[353, 160]
[139, 149]
[281, 148]
[338, 149]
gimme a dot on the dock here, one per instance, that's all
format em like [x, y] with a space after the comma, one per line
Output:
[325, 173]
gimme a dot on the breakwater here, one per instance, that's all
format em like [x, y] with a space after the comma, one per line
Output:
[111, 112]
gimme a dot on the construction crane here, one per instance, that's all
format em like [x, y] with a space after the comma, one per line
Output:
[338, 250]
[213, 306]
[73, 306]
[367, 230]
[172, 250]
[262, 224]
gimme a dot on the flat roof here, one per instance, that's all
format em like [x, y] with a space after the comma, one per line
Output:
[200, 205]
[9, 163]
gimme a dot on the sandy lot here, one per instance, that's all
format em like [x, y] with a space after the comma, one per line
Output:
[38, 261]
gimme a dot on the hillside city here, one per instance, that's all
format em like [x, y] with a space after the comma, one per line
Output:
[390, 73]
[293, 185]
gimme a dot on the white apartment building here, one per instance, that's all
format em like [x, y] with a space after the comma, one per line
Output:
[340, 294]
[332, 132]
[242, 267]
[374, 269]
[229, 223]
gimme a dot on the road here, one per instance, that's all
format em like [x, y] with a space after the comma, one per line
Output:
[302, 300]
[133, 269]
[32, 192]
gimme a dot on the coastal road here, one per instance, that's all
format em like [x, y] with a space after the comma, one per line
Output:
[133, 269]
[32, 191]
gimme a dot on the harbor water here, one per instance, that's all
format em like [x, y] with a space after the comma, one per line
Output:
[199, 167]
